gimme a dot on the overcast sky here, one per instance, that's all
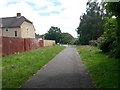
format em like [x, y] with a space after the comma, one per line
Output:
[64, 14]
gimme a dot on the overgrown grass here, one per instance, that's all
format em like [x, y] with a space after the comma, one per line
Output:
[16, 69]
[103, 69]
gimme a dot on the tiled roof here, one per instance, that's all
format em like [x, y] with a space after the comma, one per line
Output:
[10, 22]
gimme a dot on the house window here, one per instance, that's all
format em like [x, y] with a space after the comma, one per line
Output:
[7, 30]
[15, 33]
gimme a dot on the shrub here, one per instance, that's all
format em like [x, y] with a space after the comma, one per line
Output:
[110, 45]
[93, 43]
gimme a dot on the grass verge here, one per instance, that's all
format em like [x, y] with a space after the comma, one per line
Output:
[103, 69]
[16, 69]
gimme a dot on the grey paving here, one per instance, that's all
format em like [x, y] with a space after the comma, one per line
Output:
[66, 70]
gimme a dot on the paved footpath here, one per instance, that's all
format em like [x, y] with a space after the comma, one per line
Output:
[66, 70]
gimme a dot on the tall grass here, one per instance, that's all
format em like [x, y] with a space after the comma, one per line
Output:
[16, 69]
[103, 69]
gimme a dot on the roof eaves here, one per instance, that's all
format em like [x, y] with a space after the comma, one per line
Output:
[12, 27]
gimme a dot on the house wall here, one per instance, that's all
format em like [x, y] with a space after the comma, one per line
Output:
[11, 32]
[27, 30]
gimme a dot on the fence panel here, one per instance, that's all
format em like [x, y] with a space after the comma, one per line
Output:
[5, 46]
[11, 45]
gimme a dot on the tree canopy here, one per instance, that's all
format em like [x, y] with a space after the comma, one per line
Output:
[67, 38]
[55, 33]
[111, 37]
[98, 22]
[91, 23]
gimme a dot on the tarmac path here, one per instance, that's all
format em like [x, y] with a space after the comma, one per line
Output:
[66, 70]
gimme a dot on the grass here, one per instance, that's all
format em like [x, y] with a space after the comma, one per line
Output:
[16, 69]
[103, 69]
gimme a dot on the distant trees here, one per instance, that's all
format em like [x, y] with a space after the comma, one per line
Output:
[91, 23]
[67, 38]
[55, 33]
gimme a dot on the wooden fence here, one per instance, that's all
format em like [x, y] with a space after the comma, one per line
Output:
[46, 43]
[12, 45]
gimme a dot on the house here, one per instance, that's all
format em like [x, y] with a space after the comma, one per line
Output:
[17, 26]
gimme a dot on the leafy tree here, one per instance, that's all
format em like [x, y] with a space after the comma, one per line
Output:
[67, 38]
[54, 33]
[91, 23]
[111, 36]
[114, 9]
[108, 39]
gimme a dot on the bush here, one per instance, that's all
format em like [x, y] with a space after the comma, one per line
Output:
[104, 47]
[110, 45]
[115, 51]
[106, 44]
[93, 43]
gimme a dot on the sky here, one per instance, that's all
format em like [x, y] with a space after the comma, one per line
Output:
[64, 14]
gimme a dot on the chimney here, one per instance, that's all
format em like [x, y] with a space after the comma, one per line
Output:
[18, 14]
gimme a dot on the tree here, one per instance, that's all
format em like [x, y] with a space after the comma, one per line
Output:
[114, 9]
[91, 23]
[67, 38]
[111, 37]
[108, 39]
[54, 33]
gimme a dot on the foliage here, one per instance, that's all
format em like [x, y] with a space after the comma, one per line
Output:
[76, 41]
[16, 69]
[93, 43]
[111, 38]
[103, 69]
[54, 33]
[91, 23]
[98, 22]
[113, 8]
[67, 38]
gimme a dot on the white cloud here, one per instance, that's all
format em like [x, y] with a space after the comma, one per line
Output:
[67, 18]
